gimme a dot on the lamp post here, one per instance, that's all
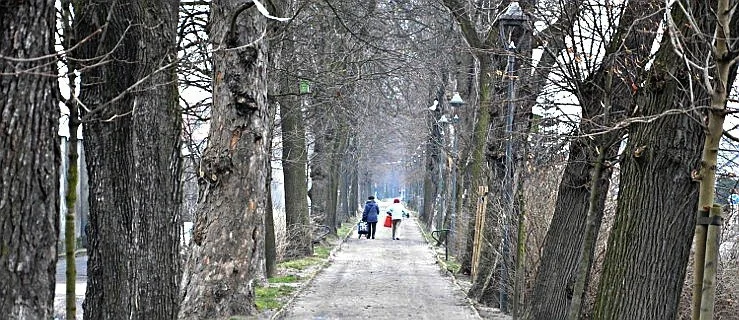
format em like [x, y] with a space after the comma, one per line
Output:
[511, 19]
[455, 102]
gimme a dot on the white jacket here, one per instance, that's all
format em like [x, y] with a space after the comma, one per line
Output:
[397, 210]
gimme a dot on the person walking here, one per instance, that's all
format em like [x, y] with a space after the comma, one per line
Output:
[397, 211]
[371, 211]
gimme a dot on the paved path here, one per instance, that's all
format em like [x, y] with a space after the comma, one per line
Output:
[382, 279]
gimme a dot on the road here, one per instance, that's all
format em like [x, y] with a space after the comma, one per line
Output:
[382, 279]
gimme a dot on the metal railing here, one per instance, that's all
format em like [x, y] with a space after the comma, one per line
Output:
[440, 236]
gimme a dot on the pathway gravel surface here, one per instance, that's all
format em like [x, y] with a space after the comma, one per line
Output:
[382, 279]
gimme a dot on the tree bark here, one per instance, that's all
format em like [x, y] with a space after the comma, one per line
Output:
[157, 131]
[133, 133]
[592, 225]
[429, 183]
[30, 160]
[70, 241]
[354, 199]
[73, 169]
[336, 156]
[319, 175]
[722, 81]
[270, 233]
[294, 164]
[554, 286]
[294, 149]
[487, 154]
[226, 256]
[650, 242]
[350, 196]
[274, 55]
[432, 182]
[477, 162]
[108, 149]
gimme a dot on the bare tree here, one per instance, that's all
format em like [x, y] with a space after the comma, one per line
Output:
[286, 66]
[132, 126]
[658, 193]
[29, 178]
[603, 88]
[73, 167]
[227, 253]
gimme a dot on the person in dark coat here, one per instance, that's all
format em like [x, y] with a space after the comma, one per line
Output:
[371, 211]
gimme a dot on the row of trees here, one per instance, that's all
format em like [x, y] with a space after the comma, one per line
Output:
[374, 69]
[651, 82]
[120, 69]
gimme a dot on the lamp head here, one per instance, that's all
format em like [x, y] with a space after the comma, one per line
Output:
[512, 17]
[433, 106]
[456, 100]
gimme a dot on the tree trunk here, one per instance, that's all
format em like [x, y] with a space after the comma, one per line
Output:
[348, 194]
[429, 189]
[477, 162]
[319, 174]
[432, 183]
[157, 130]
[593, 221]
[353, 195]
[294, 150]
[655, 215]
[294, 163]
[133, 134]
[270, 236]
[345, 184]
[225, 258]
[270, 233]
[554, 283]
[562, 253]
[649, 244]
[274, 56]
[489, 118]
[463, 232]
[722, 81]
[108, 149]
[336, 156]
[30, 160]
[70, 240]
[73, 170]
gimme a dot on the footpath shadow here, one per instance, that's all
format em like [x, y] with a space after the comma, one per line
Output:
[382, 278]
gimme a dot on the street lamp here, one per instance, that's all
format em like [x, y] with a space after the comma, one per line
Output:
[511, 19]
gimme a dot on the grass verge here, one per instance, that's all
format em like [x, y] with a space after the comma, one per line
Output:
[272, 297]
[300, 264]
[290, 278]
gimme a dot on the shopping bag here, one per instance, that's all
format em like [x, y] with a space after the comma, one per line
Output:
[362, 228]
[388, 221]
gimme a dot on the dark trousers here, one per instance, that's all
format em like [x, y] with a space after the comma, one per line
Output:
[372, 227]
[396, 226]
